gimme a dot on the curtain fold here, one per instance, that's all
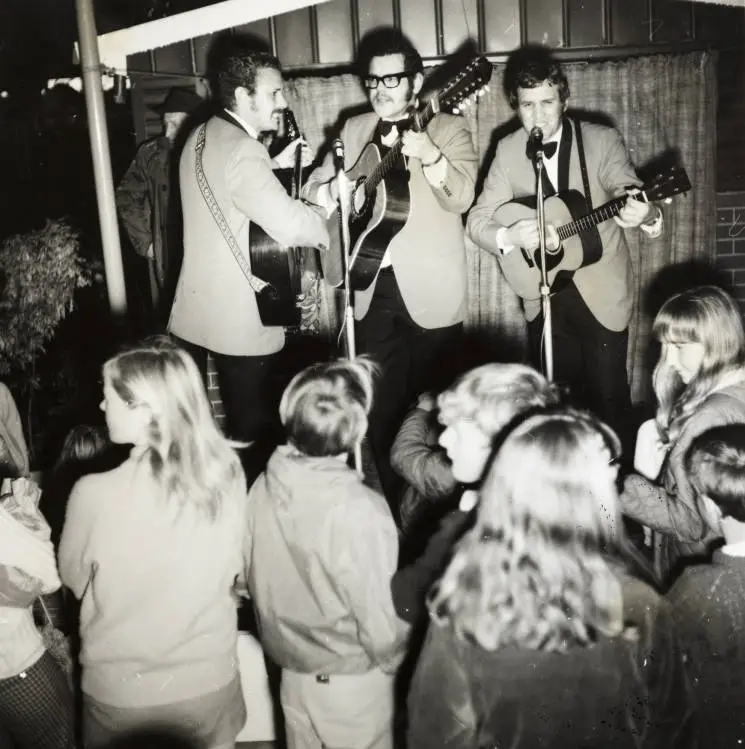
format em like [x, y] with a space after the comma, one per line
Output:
[659, 103]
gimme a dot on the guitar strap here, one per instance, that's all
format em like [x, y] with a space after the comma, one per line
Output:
[583, 165]
[254, 281]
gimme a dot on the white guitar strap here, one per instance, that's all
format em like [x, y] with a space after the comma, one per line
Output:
[255, 282]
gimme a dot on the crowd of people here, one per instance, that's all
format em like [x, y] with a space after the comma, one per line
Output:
[475, 585]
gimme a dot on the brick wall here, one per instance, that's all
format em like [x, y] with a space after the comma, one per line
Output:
[730, 252]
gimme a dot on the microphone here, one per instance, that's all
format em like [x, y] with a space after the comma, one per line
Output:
[337, 149]
[535, 143]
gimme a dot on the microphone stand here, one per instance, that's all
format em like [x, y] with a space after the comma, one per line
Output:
[346, 250]
[545, 289]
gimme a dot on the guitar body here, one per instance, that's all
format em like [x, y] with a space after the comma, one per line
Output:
[523, 271]
[382, 216]
[279, 267]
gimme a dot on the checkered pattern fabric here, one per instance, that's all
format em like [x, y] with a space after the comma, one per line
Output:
[657, 102]
[36, 707]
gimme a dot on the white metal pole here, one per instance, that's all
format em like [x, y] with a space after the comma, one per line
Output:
[99, 138]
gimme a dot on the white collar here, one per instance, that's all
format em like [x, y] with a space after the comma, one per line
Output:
[250, 130]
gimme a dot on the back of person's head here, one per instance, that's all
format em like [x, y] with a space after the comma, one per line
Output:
[235, 63]
[706, 315]
[182, 442]
[325, 407]
[530, 66]
[84, 443]
[387, 40]
[533, 570]
[715, 462]
[492, 395]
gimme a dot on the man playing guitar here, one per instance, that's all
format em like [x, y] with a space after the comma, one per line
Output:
[590, 314]
[410, 316]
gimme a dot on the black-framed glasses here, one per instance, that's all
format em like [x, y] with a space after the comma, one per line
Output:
[392, 80]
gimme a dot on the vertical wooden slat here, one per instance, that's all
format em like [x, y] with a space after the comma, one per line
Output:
[718, 24]
[258, 30]
[672, 21]
[501, 25]
[460, 21]
[202, 45]
[313, 34]
[174, 58]
[439, 27]
[374, 13]
[418, 23]
[544, 22]
[335, 42]
[585, 23]
[294, 42]
[629, 22]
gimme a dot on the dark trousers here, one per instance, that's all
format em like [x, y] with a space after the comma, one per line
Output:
[412, 360]
[37, 708]
[250, 392]
[589, 359]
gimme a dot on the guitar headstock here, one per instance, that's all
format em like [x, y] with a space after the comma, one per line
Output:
[672, 181]
[466, 87]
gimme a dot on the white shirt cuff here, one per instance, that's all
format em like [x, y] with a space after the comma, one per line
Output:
[654, 229]
[504, 246]
[323, 198]
[435, 173]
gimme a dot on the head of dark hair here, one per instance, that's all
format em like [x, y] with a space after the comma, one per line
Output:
[530, 66]
[234, 62]
[715, 462]
[384, 41]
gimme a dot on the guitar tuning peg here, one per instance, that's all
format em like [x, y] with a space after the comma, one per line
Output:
[456, 110]
[667, 201]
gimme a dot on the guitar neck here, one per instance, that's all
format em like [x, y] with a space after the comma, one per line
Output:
[598, 216]
[387, 163]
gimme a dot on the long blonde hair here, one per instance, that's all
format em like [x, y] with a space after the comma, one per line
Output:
[186, 451]
[705, 315]
[533, 571]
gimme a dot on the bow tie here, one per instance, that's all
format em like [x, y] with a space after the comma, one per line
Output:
[386, 126]
[549, 149]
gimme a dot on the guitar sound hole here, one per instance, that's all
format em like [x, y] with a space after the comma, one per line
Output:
[359, 190]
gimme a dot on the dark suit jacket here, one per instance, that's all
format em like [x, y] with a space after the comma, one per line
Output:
[629, 691]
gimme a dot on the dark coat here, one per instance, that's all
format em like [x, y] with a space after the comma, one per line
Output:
[626, 691]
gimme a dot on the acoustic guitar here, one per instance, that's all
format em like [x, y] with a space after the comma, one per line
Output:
[579, 242]
[278, 265]
[385, 204]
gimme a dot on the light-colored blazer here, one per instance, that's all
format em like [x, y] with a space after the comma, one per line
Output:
[214, 306]
[428, 254]
[606, 286]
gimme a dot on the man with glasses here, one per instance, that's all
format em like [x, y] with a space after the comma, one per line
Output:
[410, 318]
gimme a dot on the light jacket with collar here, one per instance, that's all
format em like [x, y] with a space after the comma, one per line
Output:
[320, 551]
[215, 307]
[607, 285]
[428, 254]
[671, 504]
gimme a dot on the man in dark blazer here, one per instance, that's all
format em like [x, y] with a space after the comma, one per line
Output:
[215, 308]
[591, 314]
[410, 318]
